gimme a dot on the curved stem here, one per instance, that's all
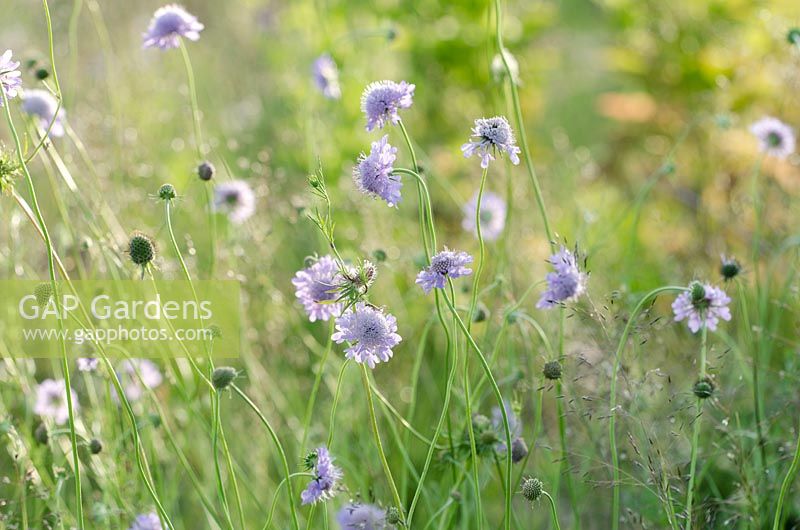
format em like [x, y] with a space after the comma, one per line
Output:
[696, 434]
[429, 246]
[315, 389]
[482, 251]
[223, 499]
[553, 511]
[787, 483]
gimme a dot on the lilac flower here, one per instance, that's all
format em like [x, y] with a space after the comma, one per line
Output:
[326, 76]
[493, 216]
[42, 105]
[146, 521]
[236, 199]
[382, 99]
[372, 334]
[775, 138]
[87, 364]
[702, 305]
[358, 516]
[446, 264]
[326, 475]
[373, 174]
[316, 288]
[566, 284]
[10, 77]
[488, 136]
[135, 375]
[51, 400]
[168, 25]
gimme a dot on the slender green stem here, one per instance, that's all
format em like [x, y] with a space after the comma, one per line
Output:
[315, 389]
[223, 498]
[332, 422]
[787, 484]
[553, 511]
[429, 246]
[562, 429]
[274, 503]
[696, 434]
[481, 252]
[473, 449]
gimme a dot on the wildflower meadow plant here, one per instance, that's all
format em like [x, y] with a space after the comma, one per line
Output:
[374, 175]
[236, 200]
[382, 101]
[10, 76]
[146, 521]
[326, 76]
[493, 215]
[566, 283]
[42, 106]
[317, 288]
[371, 333]
[702, 305]
[51, 401]
[326, 476]
[775, 138]
[491, 136]
[168, 25]
[446, 265]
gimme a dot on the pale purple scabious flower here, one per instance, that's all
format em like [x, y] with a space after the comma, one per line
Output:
[702, 305]
[326, 475]
[136, 375]
[490, 135]
[51, 400]
[358, 516]
[10, 77]
[446, 264]
[146, 521]
[373, 173]
[493, 216]
[168, 25]
[316, 287]
[566, 283]
[382, 99]
[87, 364]
[236, 199]
[326, 76]
[371, 333]
[775, 138]
[42, 105]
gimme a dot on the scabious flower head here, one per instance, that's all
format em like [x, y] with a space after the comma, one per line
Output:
[490, 135]
[87, 364]
[566, 283]
[373, 173]
[136, 375]
[371, 333]
[493, 216]
[51, 401]
[146, 521]
[10, 77]
[775, 138]
[236, 199]
[43, 106]
[326, 76]
[729, 268]
[358, 516]
[316, 288]
[382, 99]
[326, 475]
[168, 25]
[446, 264]
[702, 305]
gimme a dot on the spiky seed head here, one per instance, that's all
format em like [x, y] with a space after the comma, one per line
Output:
[519, 450]
[141, 249]
[698, 292]
[95, 446]
[703, 388]
[532, 488]
[393, 516]
[793, 36]
[167, 192]
[310, 460]
[730, 268]
[9, 171]
[42, 74]
[552, 370]
[43, 293]
[205, 171]
[223, 376]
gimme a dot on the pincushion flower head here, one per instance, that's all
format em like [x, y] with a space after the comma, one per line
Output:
[135, 376]
[42, 105]
[326, 76]
[236, 199]
[382, 99]
[775, 138]
[87, 364]
[146, 521]
[702, 305]
[566, 283]
[316, 288]
[168, 25]
[51, 401]
[490, 135]
[358, 516]
[10, 77]
[493, 216]
[373, 173]
[326, 476]
[446, 264]
[371, 333]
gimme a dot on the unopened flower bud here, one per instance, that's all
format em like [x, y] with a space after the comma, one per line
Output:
[205, 171]
[95, 446]
[519, 450]
[704, 388]
[166, 192]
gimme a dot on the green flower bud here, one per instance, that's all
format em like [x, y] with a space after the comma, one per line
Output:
[95, 446]
[43, 293]
[703, 388]
[205, 171]
[166, 192]
[223, 376]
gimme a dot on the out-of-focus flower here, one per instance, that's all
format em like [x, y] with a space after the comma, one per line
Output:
[316, 288]
[514, 425]
[490, 135]
[775, 138]
[566, 283]
[382, 99]
[358, 516]
[373, 173]
[168, 25]
[136, 375]
[326, 76]
[493, 216]
[87, 364]
[10, 77]
[51, 400]
[498, 68]
[446, 264]
[146, 521]
[326, 475]
[371, 333]
[42, 105]
[702, 305]
[236, 199]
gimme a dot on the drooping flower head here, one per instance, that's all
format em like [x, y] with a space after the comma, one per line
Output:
[490, 135]
[146, 521]
[168, 25]
[358, 516]
[87, 364]
[566, 283]
[446, 264]
[43, 106]
[316, 288]
[382, 99]
[51, 401]
[136, 375]
[702, 305]
[236, 199]
[775, 138]
[373, 173]
[326, 76]
[371, 333]
[326, 475]
[10, 77]
[493, 216]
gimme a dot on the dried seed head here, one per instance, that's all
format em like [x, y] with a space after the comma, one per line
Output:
[532, 488]
[223, 376]
[730, 268]
[141, 249]
[552, 370]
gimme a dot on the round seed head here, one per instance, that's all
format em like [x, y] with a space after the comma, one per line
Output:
[43, 293]
[42, 74]
[166, 192]
[519, 450]
[95, 446]
[141, 249]
[205, 171]
[793, 36]
[552, 370]
[704, 388]
[532, 488]
[223, 376]
[698, 292]
[393, 516]
[730, 268]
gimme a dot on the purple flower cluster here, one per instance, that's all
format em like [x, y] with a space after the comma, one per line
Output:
[382, 99]
[371, 333]
[326, 476]
[326, 76]
[43, 106]
[316, 288]
[87, 364]
[135, 376]
[702, 305]
[775, 138]
[168, 25]
[51, 401]
[446, 264]
[236, 199]
[493, 216]
[10, 77]
[146, 521]
[566, 283]
[358, 516]
[490, 135]
[373, 174]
